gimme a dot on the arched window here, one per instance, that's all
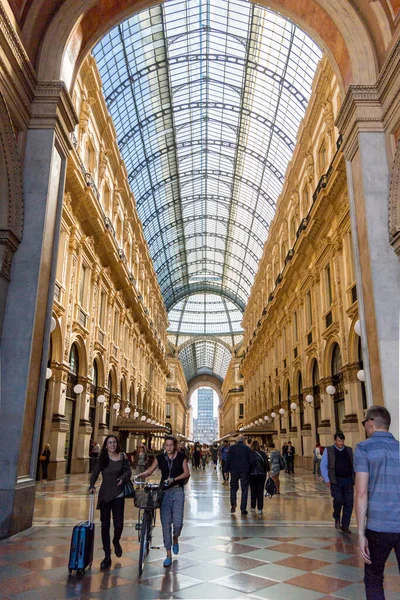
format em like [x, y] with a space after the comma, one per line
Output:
[337, 382]
[74, 360]
[363, 390]
[317, 399]
[300, 400]
[93, 396]
[336, 361]
[288, 406]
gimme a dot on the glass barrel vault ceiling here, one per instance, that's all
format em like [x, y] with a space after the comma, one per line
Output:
[206, 97]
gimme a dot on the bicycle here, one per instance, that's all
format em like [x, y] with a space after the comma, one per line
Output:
[147, 500]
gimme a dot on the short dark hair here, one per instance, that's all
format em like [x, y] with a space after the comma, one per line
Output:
[272, 445]
[289, 442]
[380, 415]
[173, 439]
[340, 435]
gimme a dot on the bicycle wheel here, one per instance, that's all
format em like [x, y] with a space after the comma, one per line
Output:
[144, 540]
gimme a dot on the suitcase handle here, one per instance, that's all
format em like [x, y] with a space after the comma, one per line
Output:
[91, 508]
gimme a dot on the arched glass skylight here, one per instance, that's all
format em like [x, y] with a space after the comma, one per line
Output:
[205, 357]
[207, 97]
[205, 314]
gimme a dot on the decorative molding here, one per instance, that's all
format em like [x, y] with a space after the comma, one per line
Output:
[394, 203]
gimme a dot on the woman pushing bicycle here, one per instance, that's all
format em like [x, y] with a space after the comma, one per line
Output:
[174, 474]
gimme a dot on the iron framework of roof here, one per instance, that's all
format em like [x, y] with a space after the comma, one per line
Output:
[206, 97]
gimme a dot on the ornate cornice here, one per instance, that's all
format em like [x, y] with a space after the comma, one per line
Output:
[52, 107]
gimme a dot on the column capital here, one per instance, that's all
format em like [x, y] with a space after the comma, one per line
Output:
[52, 108]
[361, 111]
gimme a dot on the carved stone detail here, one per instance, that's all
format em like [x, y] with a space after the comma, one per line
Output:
[394, 203]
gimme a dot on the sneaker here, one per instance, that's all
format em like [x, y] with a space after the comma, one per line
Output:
[167, 562]
[175, 548]
[260, 512]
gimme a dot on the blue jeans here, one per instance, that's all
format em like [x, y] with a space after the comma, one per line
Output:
[380, 546]
[171, 514]
[342, 493]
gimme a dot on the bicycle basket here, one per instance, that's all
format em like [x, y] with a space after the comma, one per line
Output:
[147, 498]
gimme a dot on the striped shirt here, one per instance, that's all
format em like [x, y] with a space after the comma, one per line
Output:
[379, 456]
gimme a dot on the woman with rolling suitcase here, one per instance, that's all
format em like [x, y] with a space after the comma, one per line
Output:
[115, 470]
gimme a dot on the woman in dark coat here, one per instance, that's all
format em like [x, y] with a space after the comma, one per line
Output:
[115, 470]
[44, 461]
[258, 477]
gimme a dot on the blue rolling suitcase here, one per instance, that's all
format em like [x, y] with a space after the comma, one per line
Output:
[82, 543]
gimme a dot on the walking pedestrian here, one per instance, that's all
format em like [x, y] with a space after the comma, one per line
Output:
[174, 474]
[44, 460]
[224, 454]
[337, 471]
[239, 463]
[275, 461]
[377, 497]
[284, 456]
[315, 460]
[140, 460]
[214, 456]
[197, 456]
[258, 477]
[115, 470]
[290, 458]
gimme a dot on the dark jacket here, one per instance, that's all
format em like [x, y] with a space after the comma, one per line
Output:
[261, 463]
[332, 461]
[240, 459]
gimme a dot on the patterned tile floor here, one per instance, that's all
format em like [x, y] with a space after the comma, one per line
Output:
[291, 552]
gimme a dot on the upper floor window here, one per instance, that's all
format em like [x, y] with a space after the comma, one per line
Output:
[295, 327]
[102, 310]
[328, 286]
[241, 410]
[82, 285]
[309, 313]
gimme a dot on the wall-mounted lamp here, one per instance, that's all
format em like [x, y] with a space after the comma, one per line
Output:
[116, 406]
[49, 373]
[361, 375]
[101, 399]
[78, 388]
[331, 390]
[357, 328]
[294, 407]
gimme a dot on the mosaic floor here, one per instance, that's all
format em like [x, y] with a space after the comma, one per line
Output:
[291, 552]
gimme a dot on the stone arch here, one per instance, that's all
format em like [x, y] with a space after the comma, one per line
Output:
[309, 368]
[205, 338]
[11, 202]
[205, 381]
[101, 373]
[326, 363]
[353, 341]
[336, 26]
[394, 203]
